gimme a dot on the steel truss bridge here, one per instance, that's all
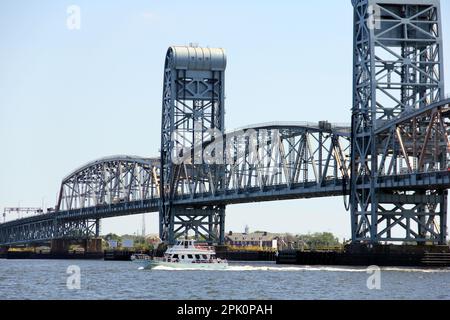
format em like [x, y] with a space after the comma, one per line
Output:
[391, 163]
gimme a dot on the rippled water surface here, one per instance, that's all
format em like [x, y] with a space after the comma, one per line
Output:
[47, 279]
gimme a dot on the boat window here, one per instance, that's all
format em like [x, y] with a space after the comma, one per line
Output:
[190, 256]
[186, 244]
[205, 257]
[175, 256]
[197, 256]
[182, 257]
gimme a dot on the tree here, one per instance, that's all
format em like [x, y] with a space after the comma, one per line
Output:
[112, 236]
[319, 240]
[290, 238]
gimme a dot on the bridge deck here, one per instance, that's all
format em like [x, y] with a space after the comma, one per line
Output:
[440, 180]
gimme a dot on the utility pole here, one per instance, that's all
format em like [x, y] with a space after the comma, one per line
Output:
[143, 226]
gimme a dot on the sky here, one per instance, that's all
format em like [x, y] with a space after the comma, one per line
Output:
[68, 97]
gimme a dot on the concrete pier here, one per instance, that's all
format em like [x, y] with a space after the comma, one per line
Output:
[59, 246]
[363, 256]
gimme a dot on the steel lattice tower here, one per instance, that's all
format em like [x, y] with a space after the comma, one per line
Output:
[398, 69]
[193, 111]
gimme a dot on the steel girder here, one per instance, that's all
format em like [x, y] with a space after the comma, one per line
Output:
[42, 225]
[255, 161]
[398, 70]
[417, 143]
[192, 113]
[110, 181]
[46, 230]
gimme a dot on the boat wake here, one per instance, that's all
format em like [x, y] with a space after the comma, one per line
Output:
[292, 269]
[417, 270]
[248, 268]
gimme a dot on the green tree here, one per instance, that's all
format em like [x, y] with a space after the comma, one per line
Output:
[319, 240]
[112, 236]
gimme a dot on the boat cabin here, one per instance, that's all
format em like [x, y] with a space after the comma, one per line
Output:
[188, 251]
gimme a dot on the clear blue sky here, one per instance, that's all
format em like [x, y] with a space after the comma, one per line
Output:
[69, 97]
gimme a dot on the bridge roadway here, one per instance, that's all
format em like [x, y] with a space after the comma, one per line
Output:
[310, 190]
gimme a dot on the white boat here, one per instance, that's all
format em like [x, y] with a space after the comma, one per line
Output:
[186, 254]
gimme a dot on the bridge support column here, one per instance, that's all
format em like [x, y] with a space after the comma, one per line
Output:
[204, 223]
[411, 217]
[60, 245]
[92, 245]
[443, 218]
[392, 78]
[97, 228]
[89, 245]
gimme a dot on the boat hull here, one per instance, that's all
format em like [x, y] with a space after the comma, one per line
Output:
[152, 264]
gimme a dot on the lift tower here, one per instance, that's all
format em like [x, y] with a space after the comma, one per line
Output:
[192, 115]
[398, 70]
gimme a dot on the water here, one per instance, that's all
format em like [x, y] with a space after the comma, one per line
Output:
[47, 279]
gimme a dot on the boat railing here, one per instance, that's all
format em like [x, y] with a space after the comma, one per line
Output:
[204, 248]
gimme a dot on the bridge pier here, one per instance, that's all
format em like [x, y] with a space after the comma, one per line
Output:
[60, 245]
[92, 245]
[89, 245]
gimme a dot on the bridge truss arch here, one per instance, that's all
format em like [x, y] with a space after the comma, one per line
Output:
[272, 155]
[107, 187]
[265, 162]
[108, 181]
